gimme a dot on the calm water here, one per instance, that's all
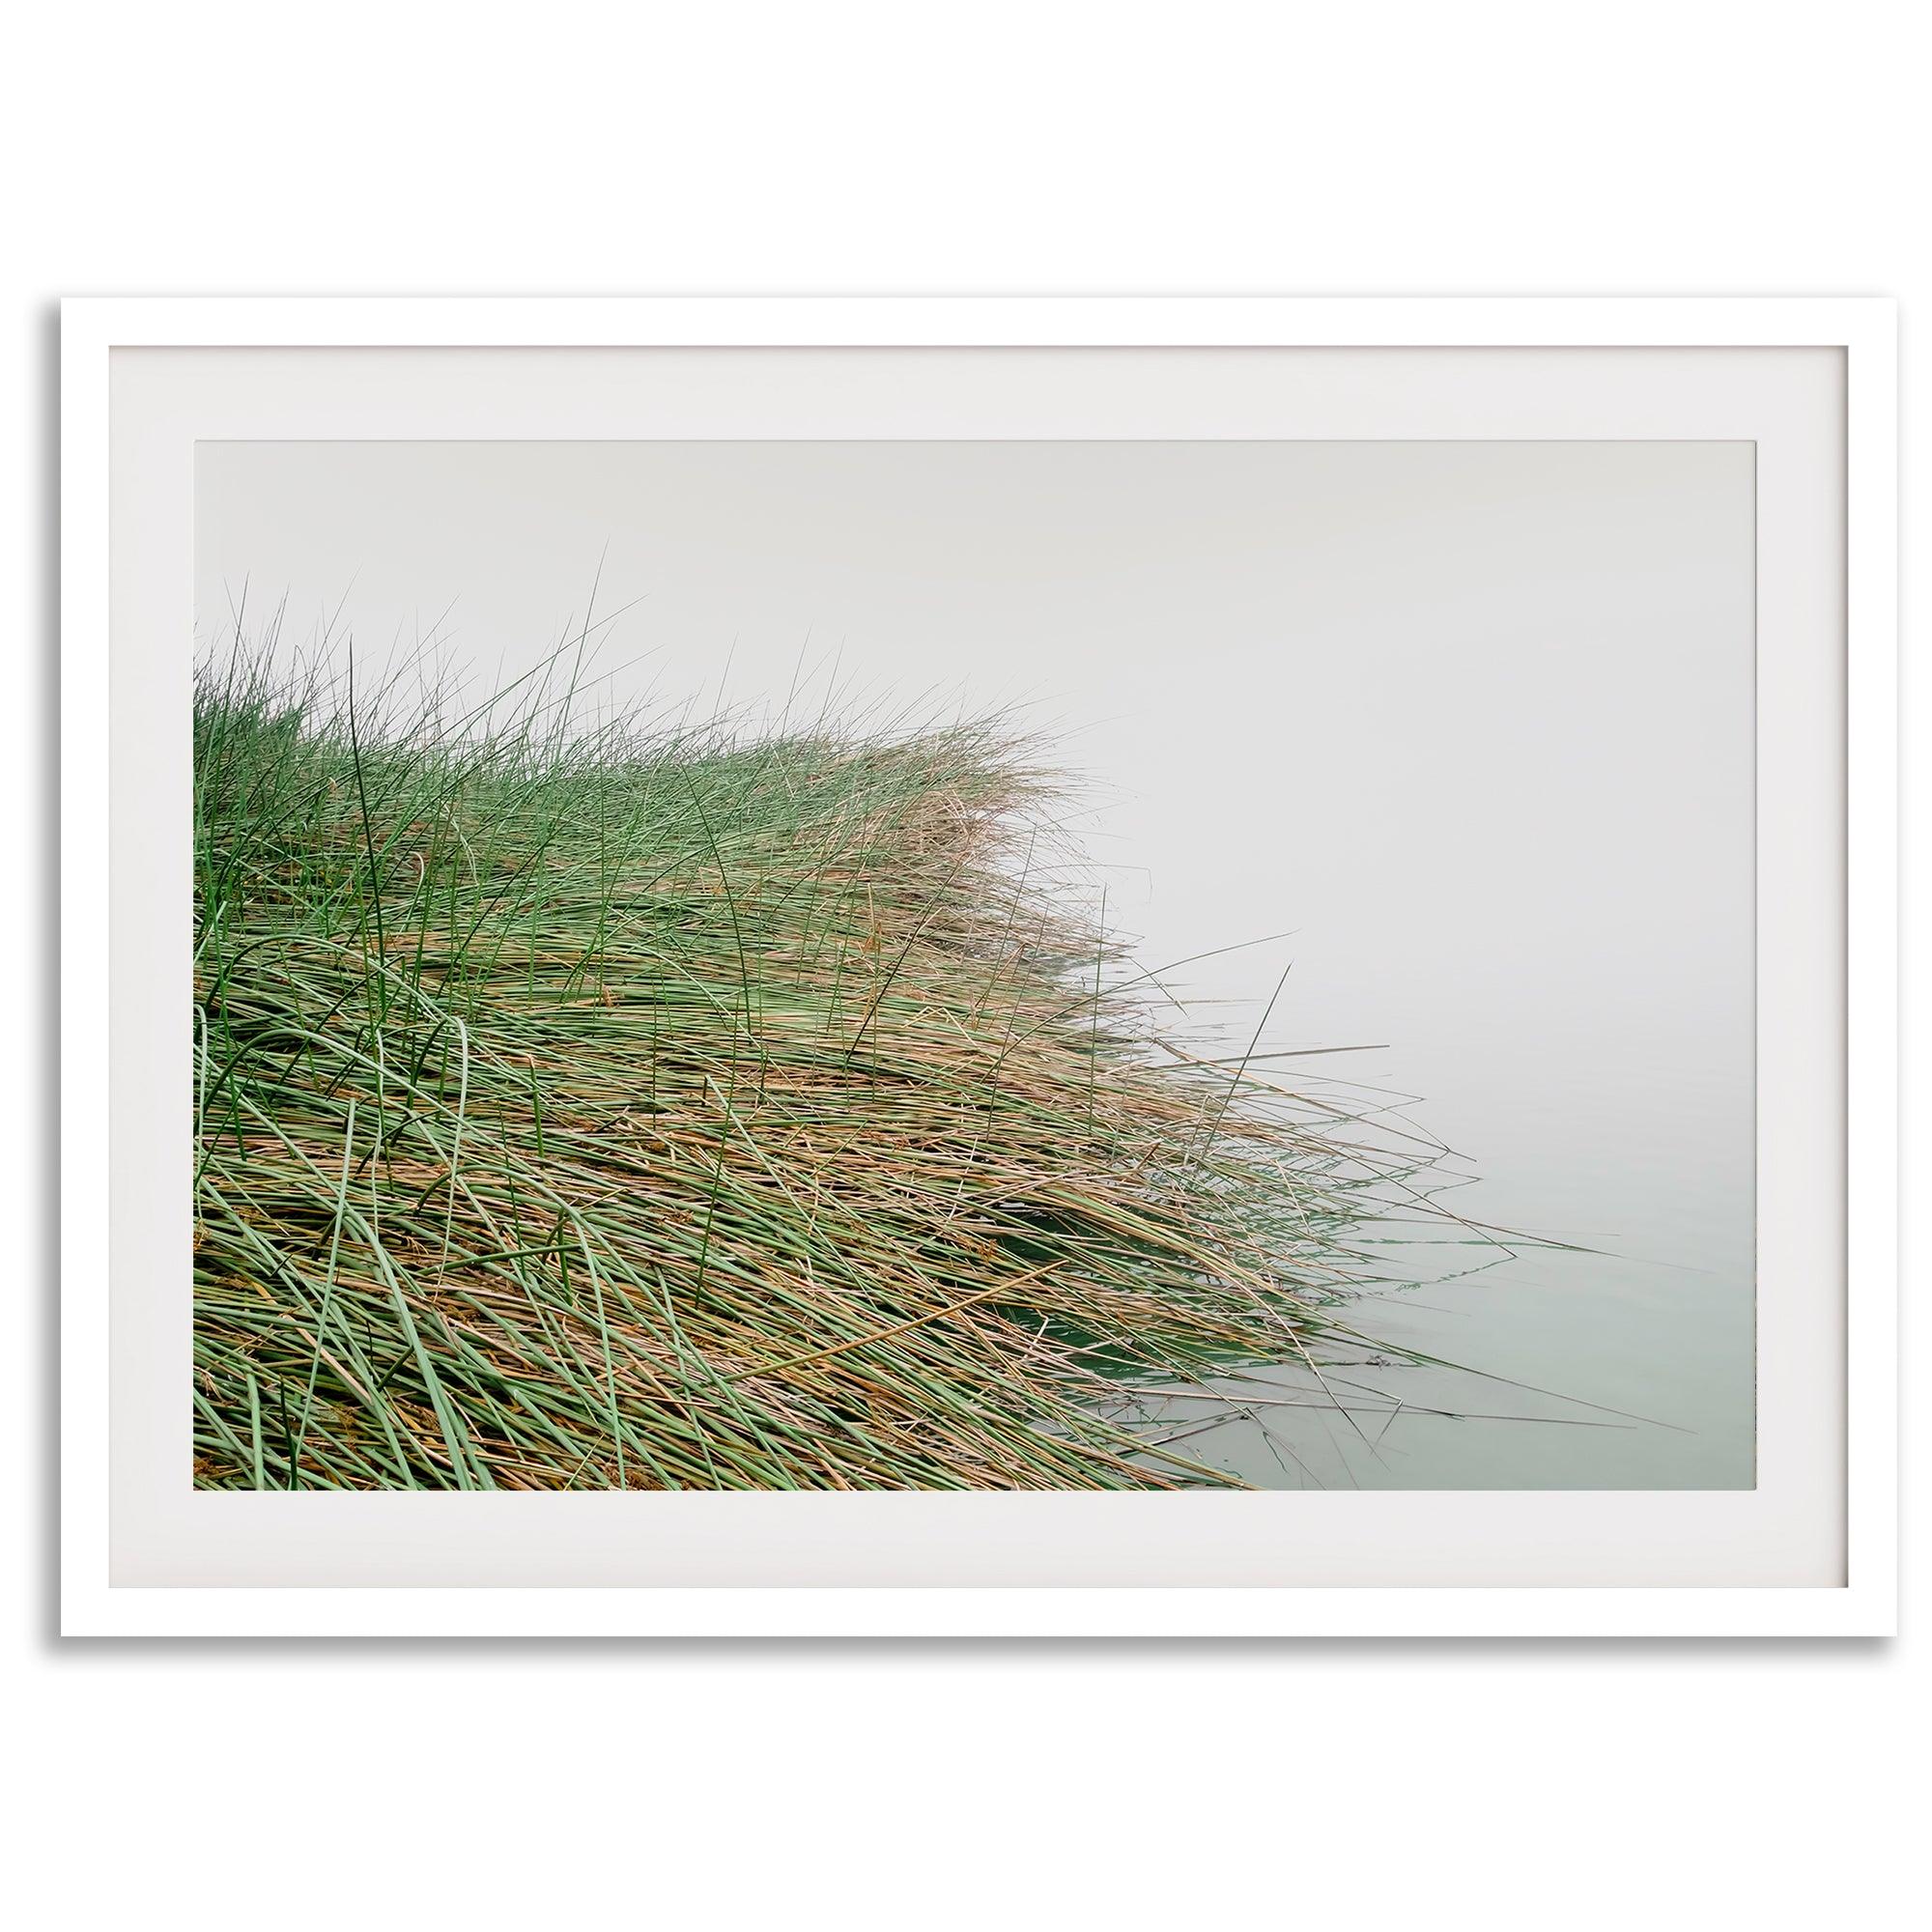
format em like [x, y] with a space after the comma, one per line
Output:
[1655, 1322]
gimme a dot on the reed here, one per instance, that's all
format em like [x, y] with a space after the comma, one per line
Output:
[586, 1104]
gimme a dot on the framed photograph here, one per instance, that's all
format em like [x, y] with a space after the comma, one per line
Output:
[1008, 967]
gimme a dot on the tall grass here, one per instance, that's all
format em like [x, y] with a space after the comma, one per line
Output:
[589, 1105]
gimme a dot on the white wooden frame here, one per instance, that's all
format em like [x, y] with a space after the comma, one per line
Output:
[1864, 329]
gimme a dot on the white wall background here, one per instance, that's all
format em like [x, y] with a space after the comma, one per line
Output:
[1688, 146]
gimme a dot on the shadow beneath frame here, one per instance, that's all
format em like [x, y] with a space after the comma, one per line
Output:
[1056, 1653]
[41, 747]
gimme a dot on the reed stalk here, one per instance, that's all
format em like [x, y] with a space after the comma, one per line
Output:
[590, 1105]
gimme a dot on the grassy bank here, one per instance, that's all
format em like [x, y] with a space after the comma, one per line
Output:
[592, 1108]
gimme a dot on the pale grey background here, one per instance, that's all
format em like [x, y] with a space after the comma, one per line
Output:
[1474, 719]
